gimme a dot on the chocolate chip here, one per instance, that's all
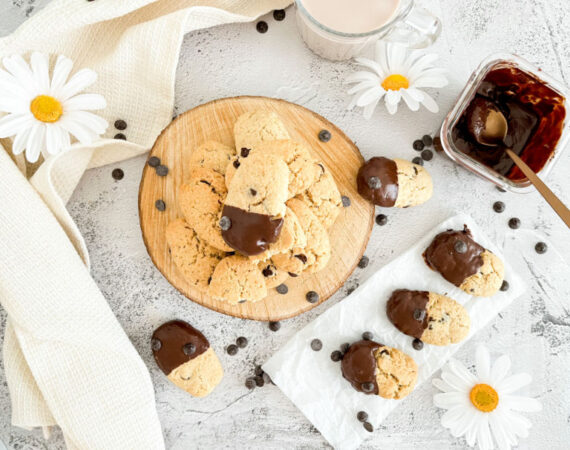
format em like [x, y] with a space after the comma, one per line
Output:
[374, 183]
[267, 272]
[120, 124]
[312, 297]
[541, 247]
[302, 258]
[162, 170]
[419, 161]
[117, 174]
[205, 182]
[336, 356]
[245, 152]
[427, 140]
[250, 383]
[362, 416]
[384, 352]
[274, 326]
[460, 246]
[242, 300]
[160, 205]
[363, 262]
[368, 427]
[367, 336]
[345, 201]
[381, 219]
[292, 275]
[344, 347]
[427, 155]
[259, 381]
[417, 344]
[279, 15]
[419, 314]
[267, 378]
[258, 370]
[153, 161]
[209, 280]
[505, 286]
[418, 145]
[316, 345]
[120, 136]
[282, 289]
[252, 192]
[514, 223]
[262, 26]
[155, 344]
[498, 207]
[241, 342]
[367, 387]
[189, 349]
[225, 223]
[324, 135]
[437, 144]
[500, 189]
[232, 349]
[236, 164]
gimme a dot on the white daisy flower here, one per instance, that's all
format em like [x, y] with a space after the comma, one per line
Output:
[395, 74]
[42, 113]
[483, 407]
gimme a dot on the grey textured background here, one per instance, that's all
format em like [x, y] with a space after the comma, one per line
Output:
[236, 60]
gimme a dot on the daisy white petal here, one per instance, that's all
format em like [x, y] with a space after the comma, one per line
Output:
[89, 120]
[462, 424]
[61, 72]
[501, 420]
[414, 56]
[19, 68]
[65, 139]
[11, 104]
[460, 370]
[396, 57]
[519, 403]
[20, 141]
[456, 382]
[40, 70]
[85, 102]
[448, 400]
[500, 369]
[362, 86]
[519, 424]
[422, 64]
[372, 65]
[430, 103]
[369, 109]
[81, 80]
[370, 95]
[416, 94]
[391, 100]
[471, 433]
[53, 142]
[484, 439]
[499, 433]
[412, 103]
[513, 383]
[12, 124]
[80, 132]
[381, 58]
[451, 416]
[361, 76]
[35, 143]
[442, 385]
[9, 86]
[483, 362]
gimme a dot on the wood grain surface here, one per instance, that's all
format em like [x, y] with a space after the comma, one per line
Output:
[349, 235]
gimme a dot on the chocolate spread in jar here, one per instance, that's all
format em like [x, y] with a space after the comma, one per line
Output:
[444, 256]
[535, 116]
[359, 365]
[250, 233]
[377, 181]
[175, 343]
[407, 311]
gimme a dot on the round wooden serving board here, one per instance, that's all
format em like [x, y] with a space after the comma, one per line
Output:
[215, 120]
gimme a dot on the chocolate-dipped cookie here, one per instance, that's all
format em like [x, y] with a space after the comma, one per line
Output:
[373, 368]
[465, 263]
[429, 317]
[394, 182]
[185, 356]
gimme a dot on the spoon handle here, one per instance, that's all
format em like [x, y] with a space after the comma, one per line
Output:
[544, 190]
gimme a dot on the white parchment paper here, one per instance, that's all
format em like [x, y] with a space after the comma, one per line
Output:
[315, 383]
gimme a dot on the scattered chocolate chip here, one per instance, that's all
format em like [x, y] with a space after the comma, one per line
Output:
[259, 381]
[417, 344]
[267, 272]
[120, 124]
[279, 15]
[316, 345]
[258, 370]
[155, 344]
[274, 326]
[241, 342]
[160, 205]
[505, 286]
[419, 161]
[437, 144]
[500, 189]
[252, 192]
[236, 163]
[541, 247]
[460, 246]
[250, 383]
[381, 219]
[312, 297]
[427, 155]
[344, 347]
[117, 174]
[336, 356]
[374, 183]
[120, 136]
[514, 223]
[282, 289]
[418, 145]
[153, 161]
[262, 26]
[189, 349]
[162, 170]
[427, 140]
[232, 349]
[225, 223]
[345, 201]
[302, 258]
[367, 336]
[367, 387]
[245, 152]
[498, 207]
[325, 135]
[362, 416]
[368, 427]
[419, 314]
[363, 262]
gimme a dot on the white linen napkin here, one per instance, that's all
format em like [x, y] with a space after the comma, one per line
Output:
[315, 383]
[67, 360]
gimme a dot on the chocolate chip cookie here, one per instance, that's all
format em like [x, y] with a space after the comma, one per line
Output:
[272, 275]
[255, 127]
[212, 155]
[237, 279]
[323, 197]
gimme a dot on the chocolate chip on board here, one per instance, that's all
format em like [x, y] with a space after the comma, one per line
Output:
[345, 201]
[282, 289]
[153, 161]
[325, 135]
[160, 205]
[312, 297]
[274, 326]
[363, 263]
[161, 170]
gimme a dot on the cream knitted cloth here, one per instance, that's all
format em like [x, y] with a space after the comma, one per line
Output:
[67, 360]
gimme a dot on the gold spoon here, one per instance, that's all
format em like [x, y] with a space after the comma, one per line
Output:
[489, 127]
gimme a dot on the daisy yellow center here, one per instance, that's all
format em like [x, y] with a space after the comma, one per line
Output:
[484, 397]
[395, 82]
[46, 108]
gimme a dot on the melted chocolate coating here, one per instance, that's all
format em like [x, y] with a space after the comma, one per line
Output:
[359, 365]
[455, 267]
[250, 233]
[173, 336]
[387, 172]
[400, 310]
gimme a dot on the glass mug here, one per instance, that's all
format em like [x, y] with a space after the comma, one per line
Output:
[416, 27]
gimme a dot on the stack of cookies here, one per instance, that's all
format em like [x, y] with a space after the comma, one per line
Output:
[253, 215]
